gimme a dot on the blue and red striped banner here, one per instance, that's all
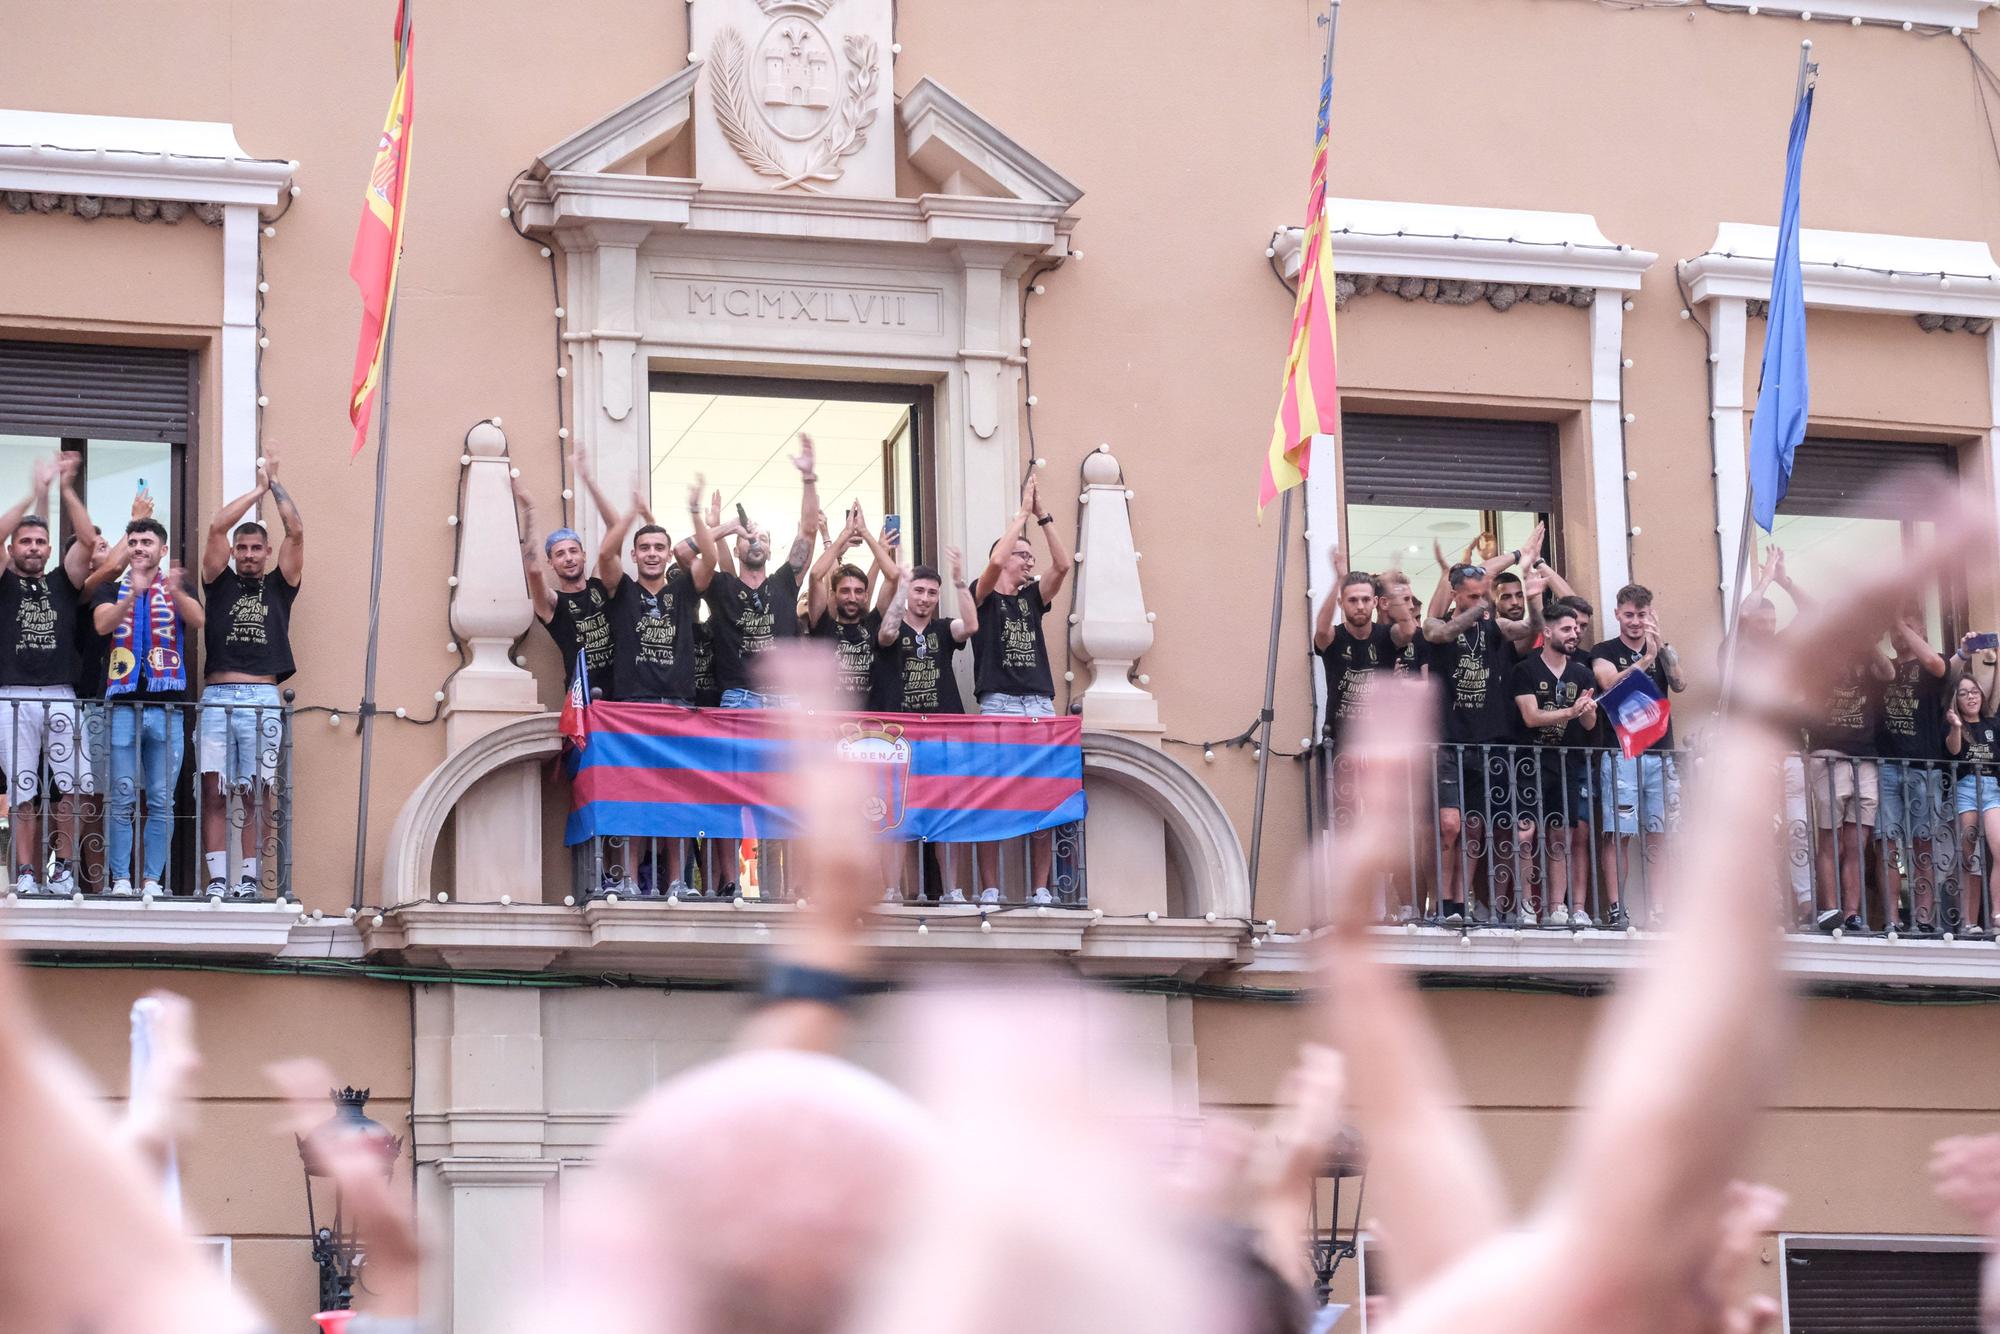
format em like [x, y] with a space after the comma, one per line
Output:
[656, 771]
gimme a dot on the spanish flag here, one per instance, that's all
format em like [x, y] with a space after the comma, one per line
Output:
[1310, 403]
[378, 244]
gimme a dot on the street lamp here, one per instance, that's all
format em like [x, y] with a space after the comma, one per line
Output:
[335, 1248]
[1329, 1241]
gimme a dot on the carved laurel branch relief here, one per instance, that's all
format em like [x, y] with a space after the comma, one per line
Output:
[737, 117]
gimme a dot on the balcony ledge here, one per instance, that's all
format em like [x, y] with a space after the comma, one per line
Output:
[130, 926]
[713, 940]
[1597, 956]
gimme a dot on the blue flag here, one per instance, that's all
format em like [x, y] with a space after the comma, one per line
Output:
[1780, 423]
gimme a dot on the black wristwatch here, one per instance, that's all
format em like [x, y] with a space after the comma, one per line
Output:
[802, 982]
[1046, 520]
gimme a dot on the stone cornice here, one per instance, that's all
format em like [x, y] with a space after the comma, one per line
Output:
[165, 926]
[1859, 271]
[565, 201]
[122, 157]
[947, 139]
[1464, 243]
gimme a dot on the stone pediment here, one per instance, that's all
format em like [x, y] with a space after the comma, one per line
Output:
[990, 188]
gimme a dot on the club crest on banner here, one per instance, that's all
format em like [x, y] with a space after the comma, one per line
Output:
[880, 746]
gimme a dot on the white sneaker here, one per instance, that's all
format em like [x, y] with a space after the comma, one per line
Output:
[149, 889]
[1042, 897]
[1580, 921]
[25, 884]
[1556, 916]
[890, 894]
[1528, 921]
[246, 890]
[61, 881]
[953, 896]
[121, 888]
[988, 897]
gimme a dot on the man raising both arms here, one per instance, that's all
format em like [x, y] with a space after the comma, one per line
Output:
[845, 617]
[1471, 654]
[1011, 657]
[652, 614]
[1352, 645]
[247, 644]
[39, 721]
[914, 675]
[752, 611]
[571, 607]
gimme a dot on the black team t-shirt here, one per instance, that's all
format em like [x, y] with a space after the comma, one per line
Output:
[747, 621]
[1413, 658]
[1350, 663]
[1912, 723]
[652, 637]
[1846, 721]
[1009, 654]
[1979, 748]
[707, 693]
[249, 624]
[38, 630]
[854, 652]
[1552, 691]
[1473, 669]
[581, 624]
[1622, 655]
[914, 674]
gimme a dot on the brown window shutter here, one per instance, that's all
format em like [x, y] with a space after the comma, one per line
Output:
[1449, 462]
[1882, 1292]
[96, 391]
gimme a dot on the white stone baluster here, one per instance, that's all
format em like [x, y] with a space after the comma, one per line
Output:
[1112, 628]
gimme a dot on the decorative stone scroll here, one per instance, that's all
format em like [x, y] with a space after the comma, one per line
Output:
[92, 207]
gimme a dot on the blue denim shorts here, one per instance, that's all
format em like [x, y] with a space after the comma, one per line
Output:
[1017, 706]
[1976, 792]
[1910, 804]
[242, 729]
[1645, 789]
[736, 697]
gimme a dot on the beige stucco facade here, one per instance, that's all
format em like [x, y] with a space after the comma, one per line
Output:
[1134, 162]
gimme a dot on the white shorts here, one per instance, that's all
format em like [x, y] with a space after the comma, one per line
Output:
[39, 725]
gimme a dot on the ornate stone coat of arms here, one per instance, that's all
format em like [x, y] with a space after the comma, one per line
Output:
[794, 102]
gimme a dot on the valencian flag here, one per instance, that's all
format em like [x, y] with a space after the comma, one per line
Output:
[1782, 400]
[1639, 713]
[378, 243]
[1309, 405]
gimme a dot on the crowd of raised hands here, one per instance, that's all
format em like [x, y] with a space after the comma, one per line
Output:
[1013, 1176]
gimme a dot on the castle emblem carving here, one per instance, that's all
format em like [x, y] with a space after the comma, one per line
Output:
[792, 105]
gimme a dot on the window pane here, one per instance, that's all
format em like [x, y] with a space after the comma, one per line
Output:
[742, 444]
[114, 471]
[1821, 552]
[1383, 537]
[17, 462]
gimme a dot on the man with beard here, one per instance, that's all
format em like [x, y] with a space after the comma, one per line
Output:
[1639, 797]
[756, 608]
[571, 607]
[247, 648]
[1353, 645]
[751, 611]
[914, 675]
[39, 724]
[1472, 652]
[1556, 694]
[1012, 677]
[845, 618]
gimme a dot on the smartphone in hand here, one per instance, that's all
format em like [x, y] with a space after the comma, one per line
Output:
[892, 528]
[1989, 640]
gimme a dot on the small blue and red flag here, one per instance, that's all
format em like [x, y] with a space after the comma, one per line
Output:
[575, 702]
[1639, 713]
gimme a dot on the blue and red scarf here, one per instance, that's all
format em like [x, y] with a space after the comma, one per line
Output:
[147, 642]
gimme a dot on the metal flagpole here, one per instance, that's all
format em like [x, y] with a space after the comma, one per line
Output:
[1733, 613]
[1278, 581]
[375, 560]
